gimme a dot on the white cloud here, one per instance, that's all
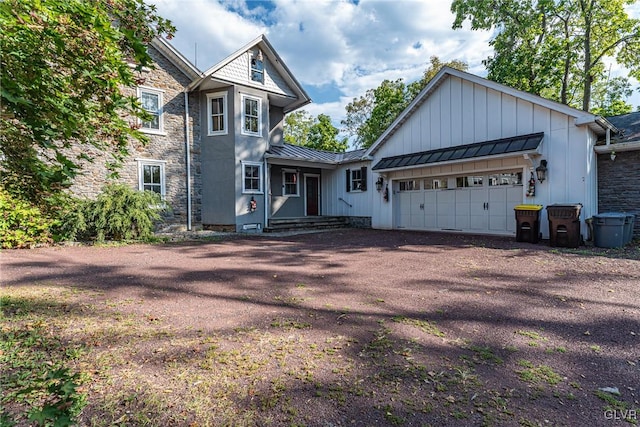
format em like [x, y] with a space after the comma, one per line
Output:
[334, 44]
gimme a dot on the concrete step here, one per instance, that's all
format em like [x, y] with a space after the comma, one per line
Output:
[306, 223]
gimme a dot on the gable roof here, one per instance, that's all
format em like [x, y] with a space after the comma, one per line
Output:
[289, 101]
[176, 58]
[596, 123]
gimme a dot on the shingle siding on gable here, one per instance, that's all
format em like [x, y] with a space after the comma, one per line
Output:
[238, 71]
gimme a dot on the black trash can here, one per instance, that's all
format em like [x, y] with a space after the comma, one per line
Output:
[528, 223]
[564, 225]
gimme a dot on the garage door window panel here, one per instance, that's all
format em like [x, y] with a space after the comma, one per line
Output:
[469, 181]
[514, 178]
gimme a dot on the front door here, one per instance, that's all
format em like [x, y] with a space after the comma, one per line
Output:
[312, 195]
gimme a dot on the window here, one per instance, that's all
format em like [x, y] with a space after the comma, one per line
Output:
[257, 67]
[409, 185]
[469, 181]
[435, 183]
[252, 177]
[217, 113]
[357, 179]
[151, 101]
[151, 176]
[514, 178]
[251, 122]
[290, 185]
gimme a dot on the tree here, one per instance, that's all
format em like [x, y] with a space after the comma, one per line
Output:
[301, 128]
[555, 48]
[323, 135]
[64, 66]
[370, 115]
[297, 126]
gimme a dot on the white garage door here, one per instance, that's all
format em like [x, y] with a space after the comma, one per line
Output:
[473, 203]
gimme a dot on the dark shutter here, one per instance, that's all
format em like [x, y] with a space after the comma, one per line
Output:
[348, 180]
[363, 176]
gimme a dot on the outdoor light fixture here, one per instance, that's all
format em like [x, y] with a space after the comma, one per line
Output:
[541, 171]
[613, 156]
[379, 183]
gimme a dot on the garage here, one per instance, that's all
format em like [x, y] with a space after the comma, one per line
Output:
[479, 203]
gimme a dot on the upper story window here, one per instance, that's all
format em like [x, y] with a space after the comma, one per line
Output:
[257, 67]
[151, 101]
[290, 185]
[252, 177]
[251, 121]
[151, 176]
[357, 179]
[217, 113]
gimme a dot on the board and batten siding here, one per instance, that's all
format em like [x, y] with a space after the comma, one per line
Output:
[461, 112]
[336, 199]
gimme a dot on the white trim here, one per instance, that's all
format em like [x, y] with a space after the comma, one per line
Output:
[151, 162]
[160, 112]
[243, 131]
[260, 177]
[284, 183]
[225, 114]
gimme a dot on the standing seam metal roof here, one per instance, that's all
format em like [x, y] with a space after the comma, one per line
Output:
[290, 151]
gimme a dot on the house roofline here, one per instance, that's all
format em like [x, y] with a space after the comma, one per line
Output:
[176, 58]
[596, 123]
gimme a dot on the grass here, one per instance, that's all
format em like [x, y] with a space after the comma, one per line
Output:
[76, 355]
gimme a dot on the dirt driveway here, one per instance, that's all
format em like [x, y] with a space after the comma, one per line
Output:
[354, 327]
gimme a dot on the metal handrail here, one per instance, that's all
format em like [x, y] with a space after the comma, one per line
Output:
[343, 200]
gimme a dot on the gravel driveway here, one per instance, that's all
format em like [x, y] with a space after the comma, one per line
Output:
[415, 328]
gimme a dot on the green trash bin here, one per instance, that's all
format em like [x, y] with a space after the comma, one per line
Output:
[528, 223]
[609, 230]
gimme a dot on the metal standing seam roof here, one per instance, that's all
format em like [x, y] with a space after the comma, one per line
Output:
[495, 147]
[297, 152]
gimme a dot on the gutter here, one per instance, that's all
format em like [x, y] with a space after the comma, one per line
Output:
[617, 147]
[187, 144]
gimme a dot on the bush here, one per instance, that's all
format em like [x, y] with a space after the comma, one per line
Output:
[23, 225]
[119, 213]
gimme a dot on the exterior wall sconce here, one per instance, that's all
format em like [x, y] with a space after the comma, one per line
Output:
[541, 171]
[613, 155]
[379, 183]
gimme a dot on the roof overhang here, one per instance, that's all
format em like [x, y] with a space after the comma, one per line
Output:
[498, 148]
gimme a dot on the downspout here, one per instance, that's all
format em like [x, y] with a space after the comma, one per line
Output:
[188, 155]
[267, 198]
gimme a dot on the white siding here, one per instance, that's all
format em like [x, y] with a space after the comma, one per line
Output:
[237, 71]
[461, 112]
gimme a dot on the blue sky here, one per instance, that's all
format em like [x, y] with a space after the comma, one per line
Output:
[336, 49]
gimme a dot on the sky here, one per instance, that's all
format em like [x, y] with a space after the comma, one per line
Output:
[336, 49]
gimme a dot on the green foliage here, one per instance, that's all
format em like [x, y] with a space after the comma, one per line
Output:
[556, 48]
[118, 213]
[370, 115]
[300, 128]
[64, 66]
[22, 225]
[34, 378]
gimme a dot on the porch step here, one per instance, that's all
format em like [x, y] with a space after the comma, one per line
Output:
[306, 223]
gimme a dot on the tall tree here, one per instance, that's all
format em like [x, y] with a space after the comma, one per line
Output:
[64, 66]
[301, 128]
[371, 114]
[323, 135]
[555, 48]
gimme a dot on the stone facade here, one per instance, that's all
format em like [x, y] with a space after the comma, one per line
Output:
[167, 148]
[618, 190]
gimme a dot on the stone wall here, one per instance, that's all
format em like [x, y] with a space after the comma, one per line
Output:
[359, 221]
[618, 186]
[168, 147]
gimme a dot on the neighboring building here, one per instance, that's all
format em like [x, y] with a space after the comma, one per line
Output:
[459, 158]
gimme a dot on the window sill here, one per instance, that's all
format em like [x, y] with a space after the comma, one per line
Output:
[218, 133]
[257, 135]
[252, 192]
[153, 132]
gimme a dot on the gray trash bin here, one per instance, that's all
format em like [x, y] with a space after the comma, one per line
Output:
[609, 230]
[628, 228]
